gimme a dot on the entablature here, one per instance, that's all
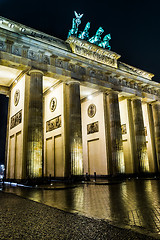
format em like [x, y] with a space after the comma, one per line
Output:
[136, 71]
[4, 90]
[64, 69]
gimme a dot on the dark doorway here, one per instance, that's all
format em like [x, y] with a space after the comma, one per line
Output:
[3, 125]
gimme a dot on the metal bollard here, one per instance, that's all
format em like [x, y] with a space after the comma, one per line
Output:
[3, 183]
[50, 178]
[87, 177]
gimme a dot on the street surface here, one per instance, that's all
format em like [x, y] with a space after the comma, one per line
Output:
[134, 203]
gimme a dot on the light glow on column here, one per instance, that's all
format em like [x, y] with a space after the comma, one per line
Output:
[76, 158]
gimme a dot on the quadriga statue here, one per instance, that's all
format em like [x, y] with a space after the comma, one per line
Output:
[96, 39]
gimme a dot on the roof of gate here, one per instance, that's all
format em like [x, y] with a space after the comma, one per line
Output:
[32, 33]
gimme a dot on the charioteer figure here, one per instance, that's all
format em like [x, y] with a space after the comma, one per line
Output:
[75, 23]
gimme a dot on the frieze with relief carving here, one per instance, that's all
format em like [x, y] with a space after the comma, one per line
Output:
[16, 119]
[53, 124]
[46, 59]
[71, 67]
[24, 51]
[81, 70]
[32, 55]
[92, 73]
[2, 46]
[59, 63]
[17, 50]
[100, 75]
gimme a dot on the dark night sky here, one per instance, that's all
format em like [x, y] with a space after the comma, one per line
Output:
[134, 25]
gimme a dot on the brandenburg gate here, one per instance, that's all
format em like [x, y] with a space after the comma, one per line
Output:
[74, 107]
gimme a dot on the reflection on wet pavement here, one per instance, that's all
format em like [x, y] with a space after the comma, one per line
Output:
[134, 203]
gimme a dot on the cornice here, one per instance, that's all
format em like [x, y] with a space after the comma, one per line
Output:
[32, 33]
[136, 71]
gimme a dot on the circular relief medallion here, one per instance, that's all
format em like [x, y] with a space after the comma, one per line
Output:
[53, 104]
[91, 110]
[16, 97]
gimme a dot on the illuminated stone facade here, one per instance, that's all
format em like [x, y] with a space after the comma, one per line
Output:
[74, 108]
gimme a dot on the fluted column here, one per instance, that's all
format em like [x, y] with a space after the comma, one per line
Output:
[35, 125]
[73, 130]
[141, 156]
[156, 120]
[116, 135]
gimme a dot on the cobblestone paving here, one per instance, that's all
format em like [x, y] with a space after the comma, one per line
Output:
[133, 203]
[24, 219]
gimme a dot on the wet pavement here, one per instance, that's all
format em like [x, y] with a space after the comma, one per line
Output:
[24, 219]
[134, 203]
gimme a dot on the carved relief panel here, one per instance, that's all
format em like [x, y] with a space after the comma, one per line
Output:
[53, 104]
[92, 128]
[16, 119]
[53, 124]
[16, 97]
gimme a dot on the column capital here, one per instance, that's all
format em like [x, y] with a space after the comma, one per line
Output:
[72, 81]
[136, 99]
[108, 92]
[35, 71]
[155, 103]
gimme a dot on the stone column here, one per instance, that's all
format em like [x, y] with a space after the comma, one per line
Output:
[152, 153]
[35, 125]
[73, 131]
[116, 135]
[141, 157]
[156, 120]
